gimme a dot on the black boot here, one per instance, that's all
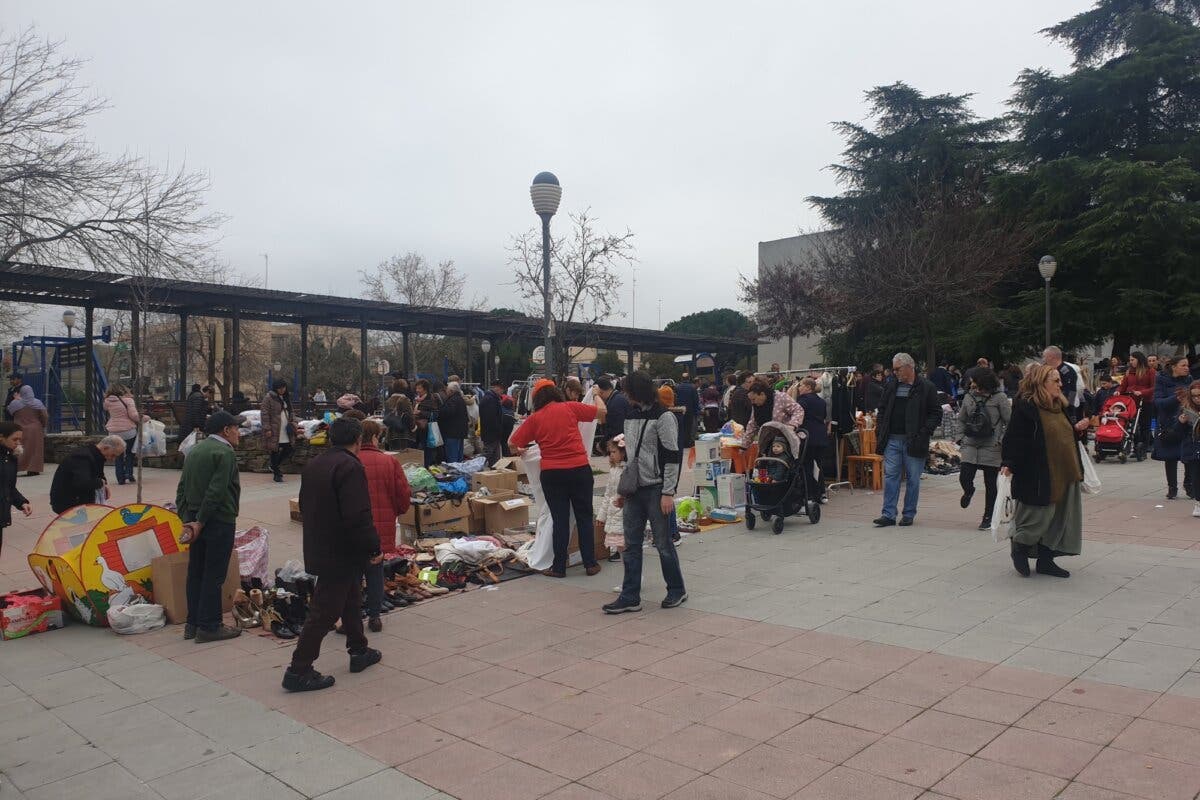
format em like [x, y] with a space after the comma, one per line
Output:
[985, 524]
[1046, 565]
[1020, 557]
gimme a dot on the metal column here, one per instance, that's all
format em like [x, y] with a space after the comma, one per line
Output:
[629, 360]
[470, 355]
[89, 372]
[302, 391]
[405, 358]
[235, 356]
[362, 359]
[181, 392]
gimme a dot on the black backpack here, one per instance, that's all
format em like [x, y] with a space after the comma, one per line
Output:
[978, 424]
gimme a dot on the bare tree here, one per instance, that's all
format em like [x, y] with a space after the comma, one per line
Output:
[786, 301]
[584, 276]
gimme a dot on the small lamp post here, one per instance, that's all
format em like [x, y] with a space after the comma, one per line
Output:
[486, 347]
[546, 193]
[68, 318]
[1047, 266]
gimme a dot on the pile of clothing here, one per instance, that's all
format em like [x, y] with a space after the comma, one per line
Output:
[944, 458]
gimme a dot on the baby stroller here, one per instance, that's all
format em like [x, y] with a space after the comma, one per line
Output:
[776, 487]
[1119, 417]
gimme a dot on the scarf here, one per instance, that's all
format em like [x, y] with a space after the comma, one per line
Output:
[1061, 452]
[25, 399]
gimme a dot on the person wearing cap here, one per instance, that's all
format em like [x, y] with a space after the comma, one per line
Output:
[207, 500]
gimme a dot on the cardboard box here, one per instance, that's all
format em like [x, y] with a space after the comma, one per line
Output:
[409, 456]
[496, 480]
[445, 528]
[513, 463]
[294, 508]
[707, 450]
[169, 582]
[43, 612]
[500, 511]
[597, 543]
[424, 516]
[731, 490]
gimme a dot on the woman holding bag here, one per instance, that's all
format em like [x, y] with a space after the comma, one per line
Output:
[1041, 453]
[428, 404]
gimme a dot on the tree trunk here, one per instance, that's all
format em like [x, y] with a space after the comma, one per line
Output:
[1122, 343]
[930, 344]
[791, 343]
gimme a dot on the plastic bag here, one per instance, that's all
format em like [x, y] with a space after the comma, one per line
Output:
[187, 444]
[419, 478]
[292, 571]
[153, 438]
[1002, 514]
[540, 552]
[254, 557]
[457, 487]
[1091, 480]
[433, 436]
[136, 618]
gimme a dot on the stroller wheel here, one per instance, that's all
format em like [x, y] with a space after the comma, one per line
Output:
[777, 525]
[1099, 457]
[1122, 457]
[766, 517]
[814, 513]
[750, 520]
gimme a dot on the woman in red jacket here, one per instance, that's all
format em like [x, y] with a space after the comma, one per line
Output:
[1139, 382]
[390, 496]
[566, 469]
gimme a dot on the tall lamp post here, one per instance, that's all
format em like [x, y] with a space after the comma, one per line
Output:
[545, 193]
[68, 319]
[486, 347]
[1047, 266]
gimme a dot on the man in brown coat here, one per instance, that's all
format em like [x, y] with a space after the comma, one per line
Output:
[339, 541]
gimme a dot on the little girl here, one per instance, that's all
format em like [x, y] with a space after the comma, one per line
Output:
[608, 513]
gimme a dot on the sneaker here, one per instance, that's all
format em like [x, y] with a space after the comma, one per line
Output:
[965, 500]
[620, 606]
[360, 661]
[189, 631]
[614, 556]
[672, 602]
[218, 635]
[884, 522]
[1196, 510]
[310, 681]
[905, 522]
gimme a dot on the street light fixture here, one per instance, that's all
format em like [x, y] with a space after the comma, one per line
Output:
[546, 193]
[68, 318]
[1047, 266]
[486, 347]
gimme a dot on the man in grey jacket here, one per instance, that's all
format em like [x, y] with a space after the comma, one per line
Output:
[652, 448]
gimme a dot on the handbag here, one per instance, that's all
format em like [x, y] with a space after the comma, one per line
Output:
[1005, 508]
[627, 485]
[1091, 480]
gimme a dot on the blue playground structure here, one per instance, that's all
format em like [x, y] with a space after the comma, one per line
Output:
[51, 364]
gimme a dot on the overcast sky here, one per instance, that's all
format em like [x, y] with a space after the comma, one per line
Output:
[337, 134]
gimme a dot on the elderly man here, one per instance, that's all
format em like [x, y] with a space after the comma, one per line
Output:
[454, 421]
[80, 479]
[908, 414]
[1053, 357]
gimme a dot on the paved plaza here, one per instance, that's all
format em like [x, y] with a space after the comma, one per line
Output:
[832, 661]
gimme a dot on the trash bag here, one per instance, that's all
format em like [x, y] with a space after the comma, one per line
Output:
[136, 618]
[254, 557]
[187, 444]
[292, 571]
[1002, 514]
[419, 478]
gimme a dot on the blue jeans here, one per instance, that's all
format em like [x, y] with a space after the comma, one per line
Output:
[125, 462]
[895, 460]
[639, 509]
[454, 450]
[208, 562]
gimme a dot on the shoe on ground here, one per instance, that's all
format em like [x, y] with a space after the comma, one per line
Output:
[1196, 510]
[1020, 557]
[674, 602]
[1046, 566]
[217, 635]
[131, 479]
[985, 524]
[189, 631]
[1172, 492]
[310, 681]
[905, 522]
[615, 555]
[374, 624]
[884, 522]
[553, 573]
[620, 606]
[594, 569]
[360, 661]
[278, 478]
[965, 500]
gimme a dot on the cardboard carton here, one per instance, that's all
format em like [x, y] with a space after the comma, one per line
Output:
[169, 579]
[731, 490]
[496, 480]
[573, 555]
[294, 508]
[500, 511]
[37, 615]
[511, 463]
[410, 456]
[424, 515]
[707, 450]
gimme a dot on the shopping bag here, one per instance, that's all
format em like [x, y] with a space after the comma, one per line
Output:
[187, 444]
[1002, 514]
[136, 618]
[433, 436]
[541, 551]
[1091, 480]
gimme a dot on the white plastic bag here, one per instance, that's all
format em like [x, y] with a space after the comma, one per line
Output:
[1091, 480]
[1002, 513]
[541, 551]
[154, 439]
[187, 444]
[136, 618]
[254, 560]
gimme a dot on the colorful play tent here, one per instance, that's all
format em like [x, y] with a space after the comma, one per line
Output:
[96, 556]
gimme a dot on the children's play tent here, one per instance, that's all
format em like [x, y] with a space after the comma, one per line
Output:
[96, 556]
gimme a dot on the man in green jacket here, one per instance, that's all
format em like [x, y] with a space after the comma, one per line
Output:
[207, 502]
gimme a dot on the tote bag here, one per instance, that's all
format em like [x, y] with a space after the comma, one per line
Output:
[1002, 514]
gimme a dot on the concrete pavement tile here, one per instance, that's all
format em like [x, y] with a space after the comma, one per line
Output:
[755, 720]
[1142, 775]
[640, 777]
[978, 779]
[984, 704]
[522, 735]
[53, 762]
[1175, 710]
[775, 772]
[692, 703]
[576, 756]
[388, 784]
[157, 679]
[708, 787]
[511, 781]
[324, 773]
[869, 713]
[949, 731]
[843, 783]
[1056, 662]
[67, 686]
[171, 748]
[405, 743]
[223, 776]
[1054, 755]
[907, 761]
[1162, 740]
[636, 727]
[108, 782]
[701, 748]
[828, 741]
[1075, 722]
[1116, 699]
[1020, 681]
[1148, 676]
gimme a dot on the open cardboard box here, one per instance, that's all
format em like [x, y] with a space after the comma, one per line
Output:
[170, 584]
[513, 463]
[496, 480]
[500, 511]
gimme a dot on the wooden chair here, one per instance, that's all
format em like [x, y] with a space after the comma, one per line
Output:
[865, 472]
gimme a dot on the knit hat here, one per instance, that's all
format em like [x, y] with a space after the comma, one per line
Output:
[666, 395]
[540, 383]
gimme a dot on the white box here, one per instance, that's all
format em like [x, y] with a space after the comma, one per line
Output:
[731, 490]
[707, 450]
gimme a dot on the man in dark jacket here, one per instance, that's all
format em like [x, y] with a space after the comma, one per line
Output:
[873, 391]
[208, 499]
[81, 474]
[491, 422]
[195, 411]
[339, 541]
[14, 385]
[688, 397]
[454, 422]
[908, 414]
[618, 408]
[739, 399]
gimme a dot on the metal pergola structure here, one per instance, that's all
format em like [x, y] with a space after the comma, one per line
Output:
[36, 283]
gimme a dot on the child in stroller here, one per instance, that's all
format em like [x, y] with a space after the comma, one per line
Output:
[777, 487]
[1119, 417]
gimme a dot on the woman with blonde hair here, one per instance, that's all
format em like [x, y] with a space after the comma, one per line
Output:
[1040, 452]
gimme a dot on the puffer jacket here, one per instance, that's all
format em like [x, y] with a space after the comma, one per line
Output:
[389, 492]
[122, 414]
[998, 408]
[607, 512]
[271, 407]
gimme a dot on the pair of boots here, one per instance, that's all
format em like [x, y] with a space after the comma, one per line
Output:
[1021, 553]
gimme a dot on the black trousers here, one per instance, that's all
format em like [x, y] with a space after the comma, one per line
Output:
[1190, 479]
[208, 562]
[567, 490]
[813, 456]
[966, 477]
[334, 598]
[279, 455]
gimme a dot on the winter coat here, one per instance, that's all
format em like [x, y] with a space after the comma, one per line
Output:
[10, 498]
[122, 414]
[607, 513]
[195, 412]
[389, 492]
[998, 408]
[783, 409]
[335, 504]
[922, 416]
[658, 460]
[453, 417]
[1140, 387]
[209, 485]
[77, 479]
[1166, 408]
[872, 395]
[1023, 450]
[687, 397]
[271, 408]
[816, 417]
[491, 418]
[618, 410]
[740, 408]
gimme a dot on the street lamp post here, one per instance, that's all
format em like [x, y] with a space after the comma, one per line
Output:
[486, 347]
[68, 319]
[1047, 266]
[545, 193]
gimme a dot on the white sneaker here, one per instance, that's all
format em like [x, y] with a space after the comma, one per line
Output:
[1196, 509]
